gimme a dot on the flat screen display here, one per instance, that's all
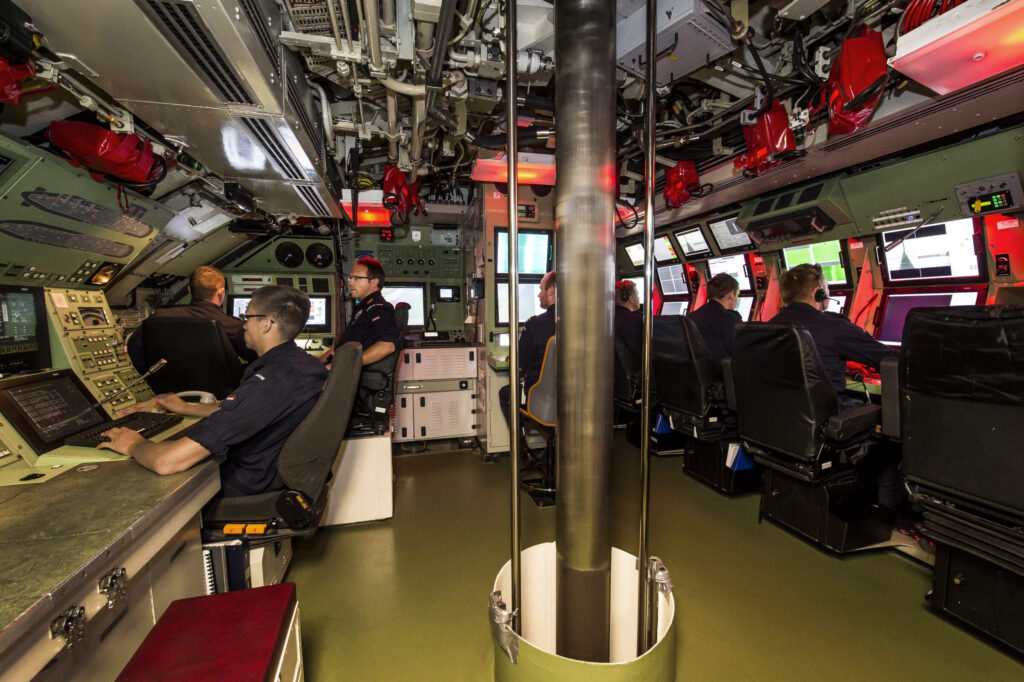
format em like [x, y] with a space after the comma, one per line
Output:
[732, 265]
[238, 304]
[319, 315]
[534, 252]
[636, 254]
[692, 242]
[639, 282]
[414, 295]
[674, 307]
[47, 408]
[826, 254]
[24, 338]
[663, 249]
[935, 252]
[528, 303]
[837, 303]
[502, 340]
[896, 306]
[729, 236]
[744, 306]
[672, 280]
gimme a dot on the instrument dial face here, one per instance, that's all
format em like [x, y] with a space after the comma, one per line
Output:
[288, 254]
[319, 255]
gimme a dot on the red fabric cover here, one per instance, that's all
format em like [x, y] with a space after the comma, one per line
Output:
[769, 137]
[858, 70]
[232, 636]
[11, 76]
[399, 196]
[680, 182]
[103, 151]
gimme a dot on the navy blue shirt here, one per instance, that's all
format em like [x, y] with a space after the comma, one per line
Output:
[837, 340]
[532, 344]
[717, 327]
[253, 423]
[629, 326]
[373, 320]
[203, 310]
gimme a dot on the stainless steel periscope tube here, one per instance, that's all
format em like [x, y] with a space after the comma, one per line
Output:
[513, 304]
[585, 159]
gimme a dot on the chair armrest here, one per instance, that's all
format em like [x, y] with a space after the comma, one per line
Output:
[849, 423]
[730, 389]
[890, 371]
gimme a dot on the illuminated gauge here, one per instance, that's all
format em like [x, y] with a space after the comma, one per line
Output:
[288, 254]
[105, 274]
[319, 255]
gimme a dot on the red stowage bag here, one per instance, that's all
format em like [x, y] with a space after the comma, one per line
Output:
[399, 196]
[769, 141]
[11, 76]
[855, 82]
[104, 152]
[680, 183]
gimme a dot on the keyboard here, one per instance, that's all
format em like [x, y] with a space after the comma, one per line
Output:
[145, 423]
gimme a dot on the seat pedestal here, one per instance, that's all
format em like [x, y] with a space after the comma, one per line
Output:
[977, 593]
[835, 513]
[705, 461]
[362, 488]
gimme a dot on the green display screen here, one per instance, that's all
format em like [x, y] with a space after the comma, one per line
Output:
[825, 254]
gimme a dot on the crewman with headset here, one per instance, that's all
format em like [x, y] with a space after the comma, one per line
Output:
[629, 323]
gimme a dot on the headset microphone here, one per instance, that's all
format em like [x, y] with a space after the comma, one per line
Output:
[820, 296]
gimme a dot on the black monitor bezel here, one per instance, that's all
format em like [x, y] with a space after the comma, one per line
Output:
[687, 301]
[686, 280]
[229, 303]
[426, 303]
[844, 259]
[20, 421]
[498, 324]
[39, 359]
[753, 306]
[979, 289]
[979, 252]
[848, 293]
[747, 264]
[629, 259]
[548, 258]
[672, 244]
[325, 328]
[718, 247]
[698, 255]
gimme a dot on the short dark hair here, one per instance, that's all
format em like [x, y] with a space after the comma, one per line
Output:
[374, 270]
[204, 282]
[287, 305]
[800, 282]
[721, 285]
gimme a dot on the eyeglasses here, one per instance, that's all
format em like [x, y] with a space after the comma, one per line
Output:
[359, 277]
[245, 318]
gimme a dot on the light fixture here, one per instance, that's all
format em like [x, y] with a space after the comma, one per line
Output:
[372, 211]
[532, 169]
[969, 43]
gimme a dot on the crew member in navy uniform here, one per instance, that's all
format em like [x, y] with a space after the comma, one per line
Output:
[373, 319]
[207, 289]
[629, 323]
[247, 430]
[534, 340]
[717, 319]
[804, 293]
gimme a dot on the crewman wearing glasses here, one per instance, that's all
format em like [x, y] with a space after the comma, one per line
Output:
[373, 319]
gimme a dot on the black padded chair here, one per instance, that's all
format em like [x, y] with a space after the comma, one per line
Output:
[539, 414]
[376, 392]
[816, 456]
[304, 465]
[961, 397]
[198, 353]
[628, 379]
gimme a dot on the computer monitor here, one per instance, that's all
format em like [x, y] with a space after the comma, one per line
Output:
[639, 283]
[48, 407]
[502, 340]
[663, 250]
[413, 294]
[319, 321]
[895, 306]
[729, 236]
[528, 303]
[826, 254]
[24, 338]
[941, 252]
[837, 302]
[736, 266]
[744, 306]
[673, 280]
[692, 242]
[534, 251]
[674, 307]
[636, 254]
[236, 305]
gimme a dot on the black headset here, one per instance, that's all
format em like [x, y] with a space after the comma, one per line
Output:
[625, 290]
[820, 295]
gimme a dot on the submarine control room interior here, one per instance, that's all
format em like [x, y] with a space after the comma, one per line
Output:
[265, 412]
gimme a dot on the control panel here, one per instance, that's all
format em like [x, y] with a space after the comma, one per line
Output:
[84, 338]
[1000, 194]
[435, 262]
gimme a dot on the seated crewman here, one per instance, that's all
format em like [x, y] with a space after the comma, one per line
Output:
[373, 319]
[629, 323]
[248, 428]
[534, 340]
[717, 319]
[206, 285]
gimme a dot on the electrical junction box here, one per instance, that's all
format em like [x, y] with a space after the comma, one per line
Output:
[689, 36]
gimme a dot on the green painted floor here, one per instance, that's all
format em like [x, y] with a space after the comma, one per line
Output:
[406, 599]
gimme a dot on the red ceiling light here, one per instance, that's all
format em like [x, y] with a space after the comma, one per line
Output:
[967, 44]
[372, 211]
[532, 169]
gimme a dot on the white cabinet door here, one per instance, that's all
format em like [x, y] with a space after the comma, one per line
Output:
[403, 428]
[442, 363]
[445, 415]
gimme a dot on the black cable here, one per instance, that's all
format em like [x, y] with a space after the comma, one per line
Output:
[770, 91]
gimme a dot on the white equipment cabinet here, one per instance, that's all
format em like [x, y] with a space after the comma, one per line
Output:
[436, 394]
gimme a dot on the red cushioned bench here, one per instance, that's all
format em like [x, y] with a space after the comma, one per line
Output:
[243, 635]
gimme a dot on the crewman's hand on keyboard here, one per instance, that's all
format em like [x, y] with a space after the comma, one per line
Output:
[121, 440]
[144, 406]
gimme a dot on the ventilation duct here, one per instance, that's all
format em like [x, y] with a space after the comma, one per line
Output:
[809, 209]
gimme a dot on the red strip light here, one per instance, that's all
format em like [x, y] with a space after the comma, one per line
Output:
[527, 173]
[372, 215]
